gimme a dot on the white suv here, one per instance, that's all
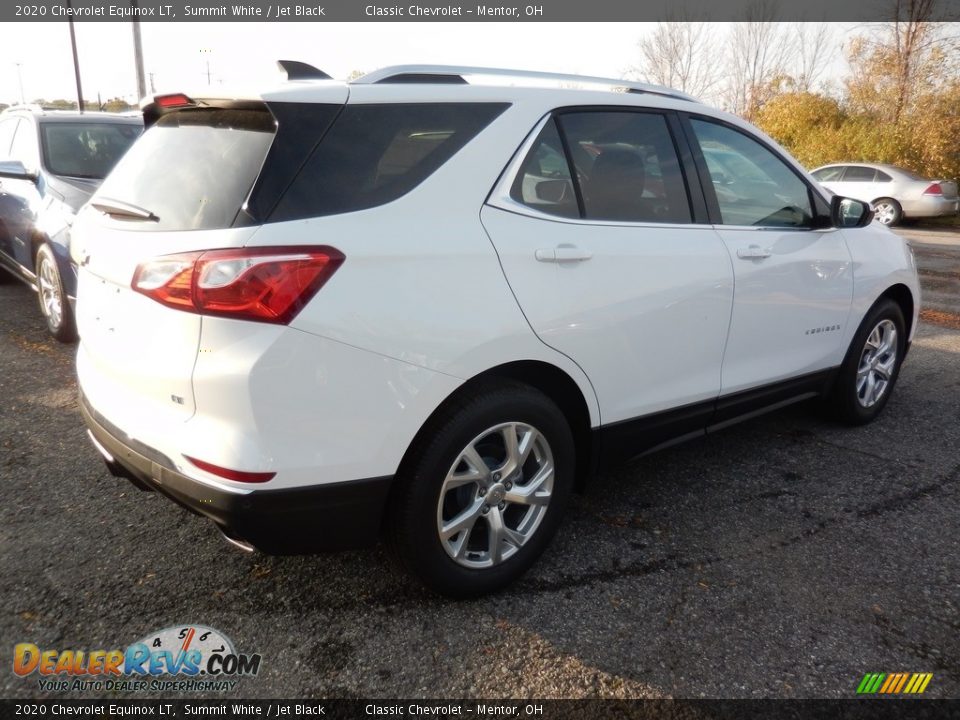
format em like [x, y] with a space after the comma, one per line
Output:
[431, 302]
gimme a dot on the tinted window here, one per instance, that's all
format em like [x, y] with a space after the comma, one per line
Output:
[543, 182]
[882, 177]
[87, 150]
[830, 174]
[626, 166]
[858, 173]
[752, 185]
[194, 168]
[374, 154]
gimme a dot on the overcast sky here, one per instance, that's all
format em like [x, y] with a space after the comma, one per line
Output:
[241, 52]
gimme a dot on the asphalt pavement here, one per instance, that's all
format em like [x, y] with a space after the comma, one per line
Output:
[784, 557]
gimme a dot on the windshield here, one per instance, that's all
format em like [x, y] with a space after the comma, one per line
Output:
[86, 149]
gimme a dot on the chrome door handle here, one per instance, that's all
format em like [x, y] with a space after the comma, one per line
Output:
[562, 253]
[754, 252]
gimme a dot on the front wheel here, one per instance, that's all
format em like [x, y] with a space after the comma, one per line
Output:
[484, 491]
[53, 298]
[872, 365]
[887, 211]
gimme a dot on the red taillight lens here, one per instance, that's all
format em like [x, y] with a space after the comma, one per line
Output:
[262, 284]
[934, 189]
[237, 475]
[169, 101]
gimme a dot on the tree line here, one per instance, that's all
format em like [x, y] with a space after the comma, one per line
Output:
[899, 103]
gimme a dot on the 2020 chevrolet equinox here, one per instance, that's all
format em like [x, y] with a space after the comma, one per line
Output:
[427, 303]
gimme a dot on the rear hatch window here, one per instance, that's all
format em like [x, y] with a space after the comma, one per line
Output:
[194, 169]
[85, 149]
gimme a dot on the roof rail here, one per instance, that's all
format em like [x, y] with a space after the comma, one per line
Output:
[32, 107]
[455, 74]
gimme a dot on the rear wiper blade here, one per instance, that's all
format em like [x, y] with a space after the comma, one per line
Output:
[120, 209]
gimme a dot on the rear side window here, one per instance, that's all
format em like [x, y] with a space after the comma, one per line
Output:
[858, 173]
[374, 154]
[627, 166]
[883, 177]
[543, 182]
[194, 168]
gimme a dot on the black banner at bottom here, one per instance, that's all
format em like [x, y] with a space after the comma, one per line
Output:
[854, 709]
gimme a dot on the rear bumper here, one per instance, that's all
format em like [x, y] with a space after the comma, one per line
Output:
[931, 206]
[335, 516]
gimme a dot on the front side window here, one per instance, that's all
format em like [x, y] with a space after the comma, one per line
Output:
[830, 174]
[753, 186]
[7, 127]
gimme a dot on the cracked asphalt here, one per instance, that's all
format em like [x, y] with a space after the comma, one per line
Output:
[784, 557]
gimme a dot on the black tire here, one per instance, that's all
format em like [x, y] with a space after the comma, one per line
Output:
[61, 325]
[846, 398]
[415, 512]
[891, 217]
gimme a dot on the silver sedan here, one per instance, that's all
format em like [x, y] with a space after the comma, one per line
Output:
[894, 192]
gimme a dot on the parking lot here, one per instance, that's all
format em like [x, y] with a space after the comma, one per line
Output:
[784, 557]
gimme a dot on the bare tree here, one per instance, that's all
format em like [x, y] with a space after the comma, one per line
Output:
[681, 55]
[759, 51]
[815, 44]
[902, 59]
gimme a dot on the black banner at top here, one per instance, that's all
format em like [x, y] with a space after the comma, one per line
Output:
[461, 10]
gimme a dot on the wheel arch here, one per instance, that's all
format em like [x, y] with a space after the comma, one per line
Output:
[903, 297]
[553, 382]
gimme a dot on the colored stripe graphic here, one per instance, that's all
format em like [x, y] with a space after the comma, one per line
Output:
[894, 683]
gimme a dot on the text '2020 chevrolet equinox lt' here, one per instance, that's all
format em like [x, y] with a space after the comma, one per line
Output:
[427, 303]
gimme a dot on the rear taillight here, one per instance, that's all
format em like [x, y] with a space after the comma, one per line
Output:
[934, 189]
[262, 284]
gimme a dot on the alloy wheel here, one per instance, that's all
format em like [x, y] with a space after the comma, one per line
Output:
[878, 360]
[495, 495]
[51, 298]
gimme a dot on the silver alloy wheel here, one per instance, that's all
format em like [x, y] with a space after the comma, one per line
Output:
[877, 363]
[495, 495]
[51, 298]
[885, 212]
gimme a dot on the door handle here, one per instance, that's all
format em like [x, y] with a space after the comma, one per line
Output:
[562, 253]
[754, 252]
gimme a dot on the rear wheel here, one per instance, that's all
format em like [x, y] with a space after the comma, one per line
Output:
[485, 491]
[872, 365]
[887, 211]
[53, 298]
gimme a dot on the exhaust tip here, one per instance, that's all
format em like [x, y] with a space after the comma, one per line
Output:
[236, 542]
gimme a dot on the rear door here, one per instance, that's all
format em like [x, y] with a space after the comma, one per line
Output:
[794, 282]
[613, 263]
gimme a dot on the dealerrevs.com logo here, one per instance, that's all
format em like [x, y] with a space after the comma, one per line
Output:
[183, 658]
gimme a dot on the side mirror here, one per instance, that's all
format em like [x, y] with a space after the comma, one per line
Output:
[14, 170]
[849, 213]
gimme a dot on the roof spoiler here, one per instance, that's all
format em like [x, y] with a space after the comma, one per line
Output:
[297, 70]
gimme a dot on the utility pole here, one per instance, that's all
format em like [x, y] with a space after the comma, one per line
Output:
[206, 53]
[76, 62]
[138, 54]
[23, 100]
